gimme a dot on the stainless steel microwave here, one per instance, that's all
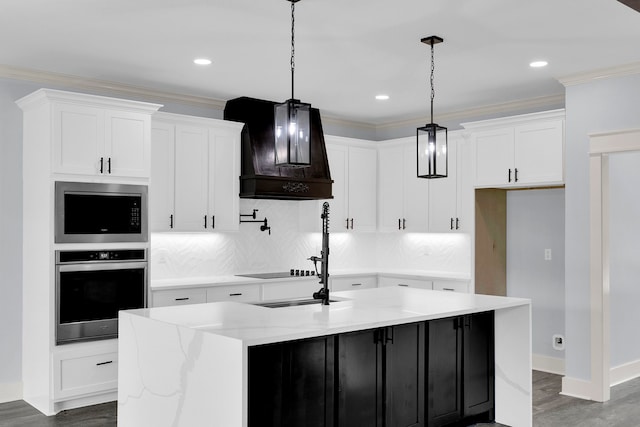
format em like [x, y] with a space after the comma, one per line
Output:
[98, 212]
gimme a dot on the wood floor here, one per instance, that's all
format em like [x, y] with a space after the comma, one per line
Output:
[550, 409]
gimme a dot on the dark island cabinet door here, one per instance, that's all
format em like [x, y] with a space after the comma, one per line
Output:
[444, 371]
[479, 364]
[291, 384]
[404, 378]
[360, 379]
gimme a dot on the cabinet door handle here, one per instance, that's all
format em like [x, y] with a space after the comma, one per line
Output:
[509, 174]
[347, 223]
[448, 289]
[516, 174]
[205, 221]
[237, 294]
[398, 223]
[356, 284]
[403, 285]
[104, 363]
[404, 224]
[182, 299]
[213, 222]
[352, 223]
[101, 164]
[171, 221]
[457, 223]
[109, 165]
[451, 226]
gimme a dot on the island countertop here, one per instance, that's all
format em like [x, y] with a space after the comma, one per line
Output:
[352, 310]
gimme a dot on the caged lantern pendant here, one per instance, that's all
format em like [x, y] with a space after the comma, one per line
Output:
[292, 122]
[431, 138]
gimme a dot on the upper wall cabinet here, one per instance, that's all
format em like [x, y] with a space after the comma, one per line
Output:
[403, 199]
[354, 173]
[519, 151]
[93, 135]
[195, 173]
[90, 139]
[450, 198]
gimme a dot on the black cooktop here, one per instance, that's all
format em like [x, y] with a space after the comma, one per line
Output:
[277, 275]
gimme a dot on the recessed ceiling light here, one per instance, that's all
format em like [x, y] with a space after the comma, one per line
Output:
[382, 97]
[538, 64]
[202, 61]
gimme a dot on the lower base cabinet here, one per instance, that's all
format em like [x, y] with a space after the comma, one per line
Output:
[460, 374]
[434, 373]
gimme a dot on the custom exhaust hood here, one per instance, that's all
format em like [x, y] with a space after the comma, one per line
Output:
[260, 178]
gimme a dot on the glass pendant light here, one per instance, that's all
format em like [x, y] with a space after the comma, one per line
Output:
[432, 138]
[292, 122]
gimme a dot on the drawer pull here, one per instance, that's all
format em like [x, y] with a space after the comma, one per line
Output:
[448, 289]
[182, 299]
[104, 363]
[402, 284]
[356, 284]
[236, 294]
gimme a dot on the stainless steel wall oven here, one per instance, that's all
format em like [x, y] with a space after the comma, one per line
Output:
[92, 286]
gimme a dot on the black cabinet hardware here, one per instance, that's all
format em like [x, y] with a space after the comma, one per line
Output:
[205, 221]
[171, 221]
[182, 299]
[404, 224]
[104, 363]
[451, 226]
[236, 294]
[213, 221]
[509, 175]
[398, 223]
[352, 223]
[101, 164]
[516, 174]
[109, 165]
[347, 223]
[356, 284]
[457, 223]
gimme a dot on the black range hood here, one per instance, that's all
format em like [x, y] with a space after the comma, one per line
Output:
[260, 178]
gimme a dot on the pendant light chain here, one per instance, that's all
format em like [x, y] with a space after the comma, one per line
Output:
[293, 44]
[433, 91]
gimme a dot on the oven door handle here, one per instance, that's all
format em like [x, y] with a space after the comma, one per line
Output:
[105, 265]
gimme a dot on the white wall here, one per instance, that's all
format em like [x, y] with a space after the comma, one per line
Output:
[598, 106]
[535, 222]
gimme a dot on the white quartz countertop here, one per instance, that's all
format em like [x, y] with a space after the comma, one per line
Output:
[356, 310]
[225, 280]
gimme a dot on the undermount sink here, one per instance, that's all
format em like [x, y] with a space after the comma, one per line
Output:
[290, 303]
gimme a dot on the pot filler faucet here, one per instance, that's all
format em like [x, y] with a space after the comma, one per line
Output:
[323, 293]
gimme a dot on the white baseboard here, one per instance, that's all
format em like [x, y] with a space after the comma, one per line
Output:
[626, 372]
[553, 365]
[575, 387]
[10, 392]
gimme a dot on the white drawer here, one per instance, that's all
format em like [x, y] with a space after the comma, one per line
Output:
[290, 289]
[399, 281]
[451, 285]
[84, 375]
[179, 297]
[353, 283]
[241, 293]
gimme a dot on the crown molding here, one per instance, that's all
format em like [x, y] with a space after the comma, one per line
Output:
[604, 73]
[120, 89]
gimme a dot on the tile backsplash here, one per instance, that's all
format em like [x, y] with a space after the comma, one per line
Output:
[176, 255]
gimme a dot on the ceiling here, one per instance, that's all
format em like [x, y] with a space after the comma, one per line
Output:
[346, 51]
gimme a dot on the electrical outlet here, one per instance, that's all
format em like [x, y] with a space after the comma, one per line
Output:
[547, 254]
[558, 342]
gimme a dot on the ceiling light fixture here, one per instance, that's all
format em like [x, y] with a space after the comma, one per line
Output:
[202, 61]
[292, 121]
[382, 97]
[431, 138]
[538, 64]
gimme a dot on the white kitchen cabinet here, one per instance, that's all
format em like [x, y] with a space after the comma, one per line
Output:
[451, 198]
[404, 281]
[354, 173]
[238, 293]
[352, 283]
[85, 370]
[519, 151]
[91, 137]
[451, 285]
[403, 199]
[179, 297]
[194, 174]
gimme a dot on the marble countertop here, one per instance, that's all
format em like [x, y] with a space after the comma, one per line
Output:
[355, 310]
[224, 280]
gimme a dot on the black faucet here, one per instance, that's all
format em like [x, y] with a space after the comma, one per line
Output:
[323, 293]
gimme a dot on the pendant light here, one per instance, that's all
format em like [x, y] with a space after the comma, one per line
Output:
[292, 121]
[432, 138]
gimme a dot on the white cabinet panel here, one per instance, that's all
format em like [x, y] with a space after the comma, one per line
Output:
[539, 152]
[191, 178]
[162, 180]
[352, 283]
[239, 293]
[179, 297]
[362, 188]
[78, 139]
[494, 157]
[127, 143]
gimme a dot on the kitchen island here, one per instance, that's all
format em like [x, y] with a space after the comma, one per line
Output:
[191, 365]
